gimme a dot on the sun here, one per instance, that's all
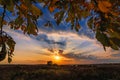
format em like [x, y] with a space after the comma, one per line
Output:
[57, 57]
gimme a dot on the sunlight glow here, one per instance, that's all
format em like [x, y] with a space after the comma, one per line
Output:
[57, 57]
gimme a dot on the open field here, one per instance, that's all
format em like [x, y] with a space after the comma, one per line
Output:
[62, 72]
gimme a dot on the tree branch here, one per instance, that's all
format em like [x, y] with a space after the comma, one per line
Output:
[3, 15]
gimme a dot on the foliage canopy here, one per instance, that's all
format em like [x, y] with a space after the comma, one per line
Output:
[104, 19]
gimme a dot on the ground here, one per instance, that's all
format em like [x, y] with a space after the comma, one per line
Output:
[60, 72]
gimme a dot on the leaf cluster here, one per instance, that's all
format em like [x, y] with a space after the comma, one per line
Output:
[7, 45]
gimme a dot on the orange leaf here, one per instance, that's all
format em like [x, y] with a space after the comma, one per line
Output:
[51, 8]
[23, 6]
[104, 6]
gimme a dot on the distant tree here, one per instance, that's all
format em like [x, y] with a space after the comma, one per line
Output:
[49, 63]
[103, 15]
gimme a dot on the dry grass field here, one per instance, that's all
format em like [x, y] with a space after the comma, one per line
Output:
[61, 72]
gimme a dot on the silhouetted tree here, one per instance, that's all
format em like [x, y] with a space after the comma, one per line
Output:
[49, 63]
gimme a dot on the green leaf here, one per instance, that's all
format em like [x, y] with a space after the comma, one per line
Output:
[114, 34]
[85, 14]
[10, 6]
[69, 18]
[31, 28]
[116, 41]
[17, 23]
[113, 45]
[47, 24]
[37, 12]
[59, 16]
[3, 51]
[77, 27]
[11, 44]
[103, 38]
[90, 23]
[72, 25]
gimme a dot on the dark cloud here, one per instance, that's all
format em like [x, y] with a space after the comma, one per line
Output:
[84, 52]
[116, 54]
[61, 51]
[63, 26]
[51, 50]
[90, 58]
[79, 56]
[58, 51]
[83, 45]
[107, 60]
[61, 43]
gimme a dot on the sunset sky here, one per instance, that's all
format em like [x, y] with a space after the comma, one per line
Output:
[72, 47]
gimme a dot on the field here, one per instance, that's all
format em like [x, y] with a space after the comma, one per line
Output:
[61, 72]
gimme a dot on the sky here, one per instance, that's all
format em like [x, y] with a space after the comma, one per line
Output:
[72, 47]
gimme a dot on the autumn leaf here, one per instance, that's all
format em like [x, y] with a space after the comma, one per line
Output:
[51, 8]
[114, 13]
[52, 5]
[23, 6]
[104, 6]
[35, 10]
